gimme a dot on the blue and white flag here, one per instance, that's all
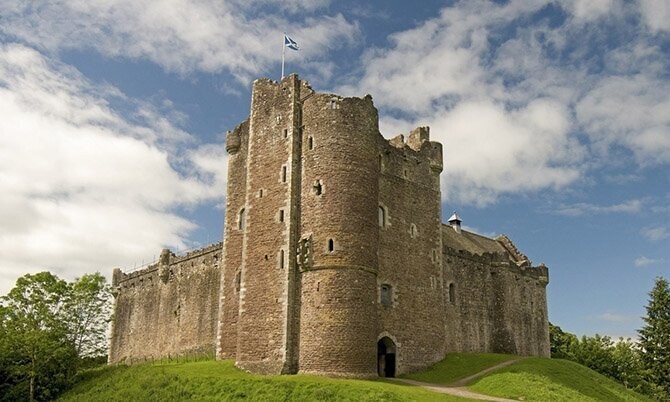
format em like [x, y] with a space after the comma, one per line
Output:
[290, 43]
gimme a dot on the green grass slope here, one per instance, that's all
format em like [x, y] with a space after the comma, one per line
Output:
[459, 365]
[220, 381]
[541, 379]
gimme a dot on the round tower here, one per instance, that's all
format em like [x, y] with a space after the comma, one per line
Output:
[339, 203]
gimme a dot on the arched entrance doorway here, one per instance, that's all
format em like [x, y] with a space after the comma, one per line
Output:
[386, 351]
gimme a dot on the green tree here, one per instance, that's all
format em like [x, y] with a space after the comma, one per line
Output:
[87, 313]
[562, 344]
[47, 328]
[655, 339]
[37, 355]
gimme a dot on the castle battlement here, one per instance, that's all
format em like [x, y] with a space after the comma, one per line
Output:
[335, 260]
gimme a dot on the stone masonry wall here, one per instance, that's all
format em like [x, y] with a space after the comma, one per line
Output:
[339, 196]
[237, 146]
[168, 309]
[497, 306]
[409, 251]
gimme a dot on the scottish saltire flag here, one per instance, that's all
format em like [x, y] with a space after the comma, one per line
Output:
[290, 43]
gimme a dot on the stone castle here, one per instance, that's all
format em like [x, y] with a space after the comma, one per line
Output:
[335, 260]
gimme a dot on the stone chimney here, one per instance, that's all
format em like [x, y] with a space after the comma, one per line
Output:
[455, 222]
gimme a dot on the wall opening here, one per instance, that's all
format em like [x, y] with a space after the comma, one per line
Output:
[452, 293]
[317, 188]
[413, 231]
[286, 133]
[283, 174]
[310, 143]
[381, 216]
[281, 259]
[241, 219]
[386, 295]
[281, 215]
[331, 245]
[386, 361]
[238, 281]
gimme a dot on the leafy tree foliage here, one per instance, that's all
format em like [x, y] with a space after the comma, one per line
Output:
[619, 360]
[47, 326]
[655, 339]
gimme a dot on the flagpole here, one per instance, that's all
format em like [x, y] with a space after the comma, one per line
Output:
[283, 50]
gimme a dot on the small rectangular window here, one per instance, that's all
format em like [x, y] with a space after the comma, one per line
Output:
[386, 295]
[281, 215]
[286, 133]
[283, 174]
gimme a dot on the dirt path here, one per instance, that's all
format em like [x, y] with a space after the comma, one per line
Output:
[458, 388]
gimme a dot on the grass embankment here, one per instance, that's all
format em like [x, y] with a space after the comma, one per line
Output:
[529, 379]
[541, 379]
[221, 381]
[456, 366]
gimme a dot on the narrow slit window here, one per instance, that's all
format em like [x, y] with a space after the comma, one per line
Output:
[281, 259]
[452, 293]
[238, 281]
[241, 219]
[283, 174]
[281, 215]
[331, 245]
[386, 295]
[413, 231]
[286, 133]
[381, 215]
[318, 187]
[310, 143]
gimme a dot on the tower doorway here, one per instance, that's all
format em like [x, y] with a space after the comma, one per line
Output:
[386, 351]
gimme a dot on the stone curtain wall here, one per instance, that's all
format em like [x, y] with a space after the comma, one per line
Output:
[498, 306]
[168, 309]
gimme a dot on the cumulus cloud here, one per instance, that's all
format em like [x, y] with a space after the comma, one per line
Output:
[654, 233]
[656, 14]
[182, 35]
[83, 187]
[526, 109]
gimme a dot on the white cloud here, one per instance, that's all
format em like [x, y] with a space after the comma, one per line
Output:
[655, 233]
[630, 111]
[180, 35]
[619, 318]
[629, 207]
[83, 188]
[643, 261]
[528, 109]
[656, 13]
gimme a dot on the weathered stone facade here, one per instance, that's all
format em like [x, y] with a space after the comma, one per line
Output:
[335, 260]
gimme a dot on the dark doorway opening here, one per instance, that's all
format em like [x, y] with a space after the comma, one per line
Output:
[386, 351]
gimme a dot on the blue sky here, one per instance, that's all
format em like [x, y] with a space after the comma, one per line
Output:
[555, 120]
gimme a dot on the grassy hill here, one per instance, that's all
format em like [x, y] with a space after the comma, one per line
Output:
[221, 381]
[529, 379]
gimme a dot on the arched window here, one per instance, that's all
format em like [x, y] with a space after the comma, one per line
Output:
[413, 230]
[381, 216]
[452, 293]
[241, 219]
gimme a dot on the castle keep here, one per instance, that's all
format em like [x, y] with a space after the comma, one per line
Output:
[335, 260]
